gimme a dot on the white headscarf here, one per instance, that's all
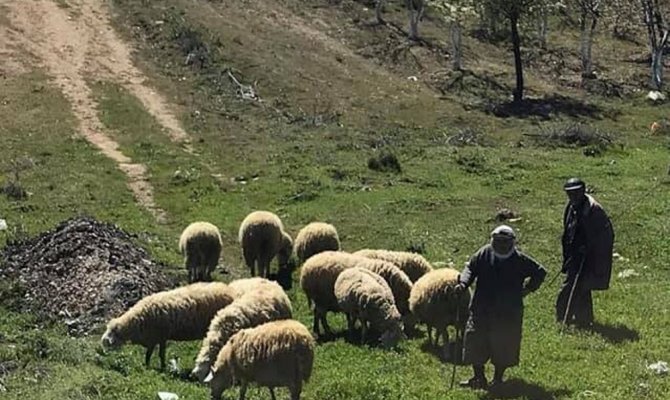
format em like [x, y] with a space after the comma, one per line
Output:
[508, 232]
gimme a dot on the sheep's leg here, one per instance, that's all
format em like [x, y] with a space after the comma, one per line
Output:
[147, 355]
[364, 330]
[243, 390]
[272, 393]
[295, 391]
[324, 324]
[161, 353]
[350, 323]
[445, 343]
[317, 317]
[429, 329]
[250, 260]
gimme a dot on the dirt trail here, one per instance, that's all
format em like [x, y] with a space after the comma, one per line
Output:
[76, 44]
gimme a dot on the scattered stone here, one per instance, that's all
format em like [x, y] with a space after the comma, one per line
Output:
[167, 396]
[3, 225]
[82, 273]
[660, 367]
[656, 96]
[628, 273]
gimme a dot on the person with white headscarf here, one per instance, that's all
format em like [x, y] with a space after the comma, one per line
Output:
[504, 276]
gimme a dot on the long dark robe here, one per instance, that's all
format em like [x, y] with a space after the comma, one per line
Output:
[493, 331]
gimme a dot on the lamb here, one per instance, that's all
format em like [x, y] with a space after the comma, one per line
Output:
[315, 238]
[180, 314]
[434, 302]
[414, 265]
[365, 296]
[317, 279]
[200, 244]
[275, 354]
[266, 302]
[400, 285]
[262, 238]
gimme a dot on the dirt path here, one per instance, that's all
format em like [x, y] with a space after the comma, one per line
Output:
[76, 43]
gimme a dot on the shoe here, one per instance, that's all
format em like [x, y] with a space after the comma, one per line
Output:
[473, 383]
[496, 382]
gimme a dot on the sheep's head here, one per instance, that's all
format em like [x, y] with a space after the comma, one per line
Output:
[219, 380]
[112, 339]
[393, 334]
[201, 371]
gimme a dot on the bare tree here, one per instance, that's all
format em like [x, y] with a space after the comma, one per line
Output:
[589, 14]
[454, 12]
[513, 10]
[655, 14]
[416, 9]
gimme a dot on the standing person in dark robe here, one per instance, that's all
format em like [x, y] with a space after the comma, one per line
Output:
[588, 241]
[504, 276]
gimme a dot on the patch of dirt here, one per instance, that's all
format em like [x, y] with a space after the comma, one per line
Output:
[77, 44]
[82, 272]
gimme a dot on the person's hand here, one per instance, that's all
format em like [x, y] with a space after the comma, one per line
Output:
[459, 288]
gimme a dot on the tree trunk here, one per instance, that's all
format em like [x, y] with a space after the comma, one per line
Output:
[657, 69]
[415, 9]
[543, 26]
[456, 45]
[378, 11]
[518, 64]
[586, 43]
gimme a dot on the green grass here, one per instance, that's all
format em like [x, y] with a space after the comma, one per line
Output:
[444, 199]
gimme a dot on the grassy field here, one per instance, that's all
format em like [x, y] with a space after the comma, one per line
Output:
[443, 201]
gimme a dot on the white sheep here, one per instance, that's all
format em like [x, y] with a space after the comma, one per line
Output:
[275, 354]
[200, 244]
[400, 285]
[179, 314]
[366, 297]
[315, 238]
[434, 301]
[262, 237]
[414, 265]
[266, 302]
[317, 279]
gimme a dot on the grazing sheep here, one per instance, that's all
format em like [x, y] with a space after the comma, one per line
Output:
[317, 279]
[434, 302]
[200, 244]
[179, 314]
[365, 296]
[275, 354]
[315, 238]
[400, 285]
[414, 265]
[262, 238]
[264, 303]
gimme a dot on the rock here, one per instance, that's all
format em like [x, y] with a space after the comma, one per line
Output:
[3, 225]
[656, 96]
[627, 273]
[660, 367]
[167, 396]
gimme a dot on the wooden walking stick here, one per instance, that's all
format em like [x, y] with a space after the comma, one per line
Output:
[572, 293]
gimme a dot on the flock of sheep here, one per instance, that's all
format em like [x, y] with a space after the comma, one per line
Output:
[246, 326]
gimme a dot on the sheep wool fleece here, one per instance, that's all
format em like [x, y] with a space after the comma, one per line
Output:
[493, 330]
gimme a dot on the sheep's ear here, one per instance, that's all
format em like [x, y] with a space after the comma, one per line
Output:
[209, 377]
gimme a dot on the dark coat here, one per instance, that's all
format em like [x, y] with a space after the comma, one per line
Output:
[496, 309]
[598, 237]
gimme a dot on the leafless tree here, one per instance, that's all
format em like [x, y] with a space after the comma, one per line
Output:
[655, 14]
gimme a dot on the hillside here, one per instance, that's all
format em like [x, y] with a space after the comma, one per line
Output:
[151, 115]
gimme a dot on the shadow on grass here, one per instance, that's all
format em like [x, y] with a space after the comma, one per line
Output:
[545, 108]
[518, 388]
[453, 356]
[615, 333]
